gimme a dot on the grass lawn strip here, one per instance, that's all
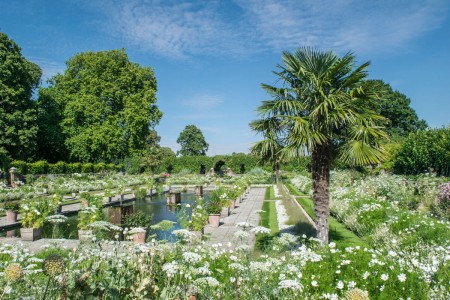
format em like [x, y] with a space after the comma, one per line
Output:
[337, 231]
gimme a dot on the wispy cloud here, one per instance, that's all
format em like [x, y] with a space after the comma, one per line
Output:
[182, 29]
[203, 101]
[49, 68]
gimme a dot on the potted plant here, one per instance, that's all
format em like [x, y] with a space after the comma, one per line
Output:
[91, 211]
[12, 209]
[194, 219]
[139, 222]
[33, 213]
[213, 208]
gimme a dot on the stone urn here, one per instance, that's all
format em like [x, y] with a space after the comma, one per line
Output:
[214, 220]
[30, 234]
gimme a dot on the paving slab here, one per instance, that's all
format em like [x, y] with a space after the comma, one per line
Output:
[247, 211]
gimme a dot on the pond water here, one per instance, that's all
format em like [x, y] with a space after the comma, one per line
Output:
[155, 206]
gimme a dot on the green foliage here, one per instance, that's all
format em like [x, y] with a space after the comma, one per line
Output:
[137, 219]
[192, 142]
[20, 165]
[132, 164]
[18, 78]
[395, 107]
[38, 167]
[87, 168]
[237, 162]
[104, 105]
[424, 151]
[34, 211]
[57, 168]
[74, 168]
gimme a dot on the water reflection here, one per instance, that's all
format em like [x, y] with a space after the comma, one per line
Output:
[155, 206]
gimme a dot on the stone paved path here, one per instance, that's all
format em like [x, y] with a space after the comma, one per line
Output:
[247, 211]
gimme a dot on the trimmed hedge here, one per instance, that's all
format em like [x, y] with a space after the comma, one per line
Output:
[43, 167]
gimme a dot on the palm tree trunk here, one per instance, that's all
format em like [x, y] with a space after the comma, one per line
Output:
[320, 165]
[277, 171]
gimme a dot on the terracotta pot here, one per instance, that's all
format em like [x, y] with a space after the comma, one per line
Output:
[30, 234]
[11, 216]
[225, 212]
[85, 235]
[232, 205]
[139, 238]
[214, 220]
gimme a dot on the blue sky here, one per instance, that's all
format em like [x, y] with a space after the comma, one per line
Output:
[210, 57]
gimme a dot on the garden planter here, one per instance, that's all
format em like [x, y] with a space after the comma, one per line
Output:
[139, 237]
[85, 235]
[199, 190]
[232, 205]
[214, 220]
[30, 234]
[225, 212]
[11, 216]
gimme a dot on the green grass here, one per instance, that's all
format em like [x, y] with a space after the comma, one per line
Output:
[293, 190]
[337, 231]
[269, 217]
[270, 193]
[268, 220]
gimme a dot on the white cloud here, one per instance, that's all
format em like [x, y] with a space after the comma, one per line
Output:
[49, 68]
[203, 101]
[182, 29]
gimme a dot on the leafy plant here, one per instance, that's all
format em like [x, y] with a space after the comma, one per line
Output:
[137, 219]
[34, 211]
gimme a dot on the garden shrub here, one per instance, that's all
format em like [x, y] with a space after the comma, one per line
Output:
[424, 151]
[20, 165]
[99, 167]
[57, 168]
[38, 167]
[74, 168]
[87, 168]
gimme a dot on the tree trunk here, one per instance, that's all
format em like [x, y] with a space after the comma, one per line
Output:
[320, 165]
[277, 171]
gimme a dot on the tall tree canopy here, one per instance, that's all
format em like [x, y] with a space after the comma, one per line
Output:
[192, 141]
[324, 109]
[18, 78]
[104, 104]
[395, 107]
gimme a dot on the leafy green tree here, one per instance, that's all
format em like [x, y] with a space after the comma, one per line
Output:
[269, 149]
[395, 107]
[51, 139]
[106, 105]
[424, 151]
[192, 141]
[324, 107]
[18, 78]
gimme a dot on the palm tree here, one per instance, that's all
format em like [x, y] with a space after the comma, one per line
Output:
[270, 147]
[323, 107]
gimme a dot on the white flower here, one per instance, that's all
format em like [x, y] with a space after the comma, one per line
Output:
[260, 230]
[290, 284]
[351, 284]
[314, 283]
[191, 257]
[384, 277]
[402, 277]
[340, 285]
